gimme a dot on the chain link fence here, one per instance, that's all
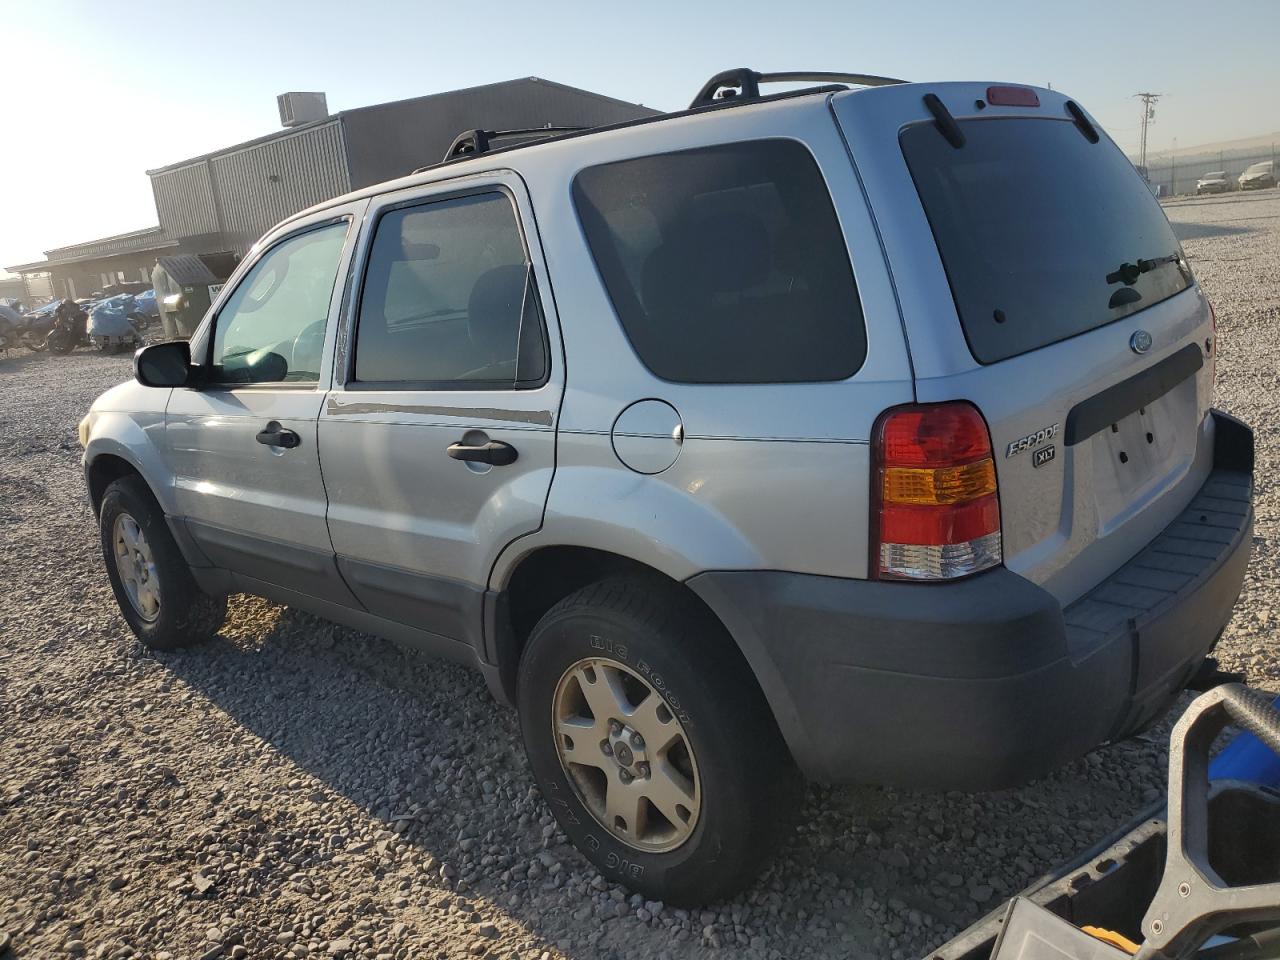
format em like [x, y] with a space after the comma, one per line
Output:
[1172, 176]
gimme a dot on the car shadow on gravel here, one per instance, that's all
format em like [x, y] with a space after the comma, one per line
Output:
[420, 747]
[416, 743]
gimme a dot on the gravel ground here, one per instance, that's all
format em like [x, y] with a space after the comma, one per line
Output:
[295, 788]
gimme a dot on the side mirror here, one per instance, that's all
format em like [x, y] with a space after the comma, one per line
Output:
[163, 364]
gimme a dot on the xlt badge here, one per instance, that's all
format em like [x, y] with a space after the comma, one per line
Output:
[1043, 455]
[1031, 440]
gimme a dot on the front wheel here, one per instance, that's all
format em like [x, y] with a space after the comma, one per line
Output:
[652, 743]
[154, 589]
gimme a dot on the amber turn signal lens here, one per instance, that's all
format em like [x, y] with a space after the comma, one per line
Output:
[939, 484]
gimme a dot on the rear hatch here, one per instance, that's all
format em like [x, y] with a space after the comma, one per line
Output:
[1039, 279]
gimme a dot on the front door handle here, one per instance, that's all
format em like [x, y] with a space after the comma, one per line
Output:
[495, 453]
[274, 435]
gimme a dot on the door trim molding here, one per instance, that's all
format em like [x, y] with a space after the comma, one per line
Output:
[301, 569]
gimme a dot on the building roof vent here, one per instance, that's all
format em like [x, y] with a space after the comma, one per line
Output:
[299, 108]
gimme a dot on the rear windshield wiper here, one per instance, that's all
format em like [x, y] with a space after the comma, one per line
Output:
[1128, 273]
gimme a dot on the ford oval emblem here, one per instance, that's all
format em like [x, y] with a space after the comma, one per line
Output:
[1140, 342]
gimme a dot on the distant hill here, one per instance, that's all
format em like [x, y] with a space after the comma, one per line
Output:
[1261, 144]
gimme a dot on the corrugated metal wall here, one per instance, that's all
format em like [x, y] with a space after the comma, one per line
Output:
[261, 185]
[184, 200]
[236, 197]
[229, 199]
[392, 139]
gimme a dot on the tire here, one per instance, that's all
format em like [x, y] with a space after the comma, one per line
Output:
[182, 613]
[60, 344]
[738, 789]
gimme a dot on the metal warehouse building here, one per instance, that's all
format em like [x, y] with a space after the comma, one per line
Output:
[222, 202]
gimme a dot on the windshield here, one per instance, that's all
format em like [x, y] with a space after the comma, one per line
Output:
[1215, 175]
[1043, 234]
[1263, 167]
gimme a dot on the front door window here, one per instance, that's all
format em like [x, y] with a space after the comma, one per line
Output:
[271, 329]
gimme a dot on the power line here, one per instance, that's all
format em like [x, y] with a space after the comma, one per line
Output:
[1149, 101]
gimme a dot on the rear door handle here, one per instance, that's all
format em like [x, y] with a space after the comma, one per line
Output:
[274, 435]
[495, 453]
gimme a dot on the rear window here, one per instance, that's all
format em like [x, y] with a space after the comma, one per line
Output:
[1034, 223]
[725, 264]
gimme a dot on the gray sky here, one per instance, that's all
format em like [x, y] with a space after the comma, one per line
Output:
[95, 93]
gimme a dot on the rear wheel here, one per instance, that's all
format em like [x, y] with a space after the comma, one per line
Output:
[652, 742]
[153, 586]
[60, 342]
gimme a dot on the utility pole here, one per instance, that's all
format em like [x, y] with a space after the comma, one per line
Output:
[1149, 101]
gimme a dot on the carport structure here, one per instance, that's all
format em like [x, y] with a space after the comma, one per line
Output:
[80, 269]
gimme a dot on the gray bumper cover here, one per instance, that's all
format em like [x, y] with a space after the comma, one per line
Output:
[988, 682]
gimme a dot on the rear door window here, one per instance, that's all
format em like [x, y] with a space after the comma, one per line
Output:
[1035, 225]
[726, 264]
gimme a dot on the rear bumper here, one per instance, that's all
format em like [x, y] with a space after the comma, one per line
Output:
[989, 682]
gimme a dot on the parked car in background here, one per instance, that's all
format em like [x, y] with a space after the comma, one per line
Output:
[1213, 182]
[903, 474]
[1259, 176]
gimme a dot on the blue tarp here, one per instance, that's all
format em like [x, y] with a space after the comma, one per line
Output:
[110, 317]
[145, 304]
[48, 308]
[1247, 758]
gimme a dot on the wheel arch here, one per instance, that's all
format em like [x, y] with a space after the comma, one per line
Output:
[122, 443]
[543, 577]
[104, 470]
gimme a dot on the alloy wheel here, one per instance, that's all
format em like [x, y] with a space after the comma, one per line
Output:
[626, 755]
[136, 567]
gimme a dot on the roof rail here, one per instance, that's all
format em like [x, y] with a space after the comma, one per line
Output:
[472, 142]
[745, 83]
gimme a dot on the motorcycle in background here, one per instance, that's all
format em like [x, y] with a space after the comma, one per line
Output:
[36, 326]
[70, 328]
[10, 326]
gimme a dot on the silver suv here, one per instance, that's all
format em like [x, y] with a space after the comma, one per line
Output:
[859, 434]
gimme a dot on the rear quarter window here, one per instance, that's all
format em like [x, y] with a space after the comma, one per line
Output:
[725, 264]
[1033, 222]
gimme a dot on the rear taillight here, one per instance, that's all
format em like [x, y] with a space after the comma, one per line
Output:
[935, 515]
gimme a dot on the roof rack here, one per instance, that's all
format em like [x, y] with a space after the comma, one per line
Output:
[472, 142]
[724, 90]
[744, 83]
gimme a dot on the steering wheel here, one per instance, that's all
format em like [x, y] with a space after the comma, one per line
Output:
[308, 347]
